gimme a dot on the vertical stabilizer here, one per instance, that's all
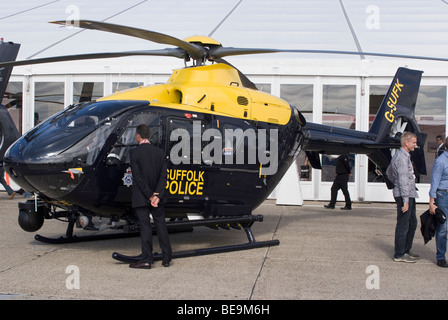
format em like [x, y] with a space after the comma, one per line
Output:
[398, 105]
[8, 52]
[396, 115]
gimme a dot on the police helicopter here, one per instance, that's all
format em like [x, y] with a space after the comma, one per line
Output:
[228, 144]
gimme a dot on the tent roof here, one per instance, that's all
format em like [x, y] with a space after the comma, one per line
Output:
[415, 27]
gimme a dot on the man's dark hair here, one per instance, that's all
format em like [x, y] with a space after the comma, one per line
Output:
[143, 131]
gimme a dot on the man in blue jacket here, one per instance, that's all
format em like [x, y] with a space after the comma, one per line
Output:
[438, 198]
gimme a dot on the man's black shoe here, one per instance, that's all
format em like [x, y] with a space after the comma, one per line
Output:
[328, 206]
[346, 208]
[140, 265]
[442, 263]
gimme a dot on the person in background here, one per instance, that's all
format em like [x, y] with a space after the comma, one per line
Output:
[438, 198]
[440, 146]
[8, 189]
[343, 172]
[401, 173]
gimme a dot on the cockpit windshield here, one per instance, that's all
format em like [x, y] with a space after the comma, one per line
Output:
[76, 134]
[84, 116]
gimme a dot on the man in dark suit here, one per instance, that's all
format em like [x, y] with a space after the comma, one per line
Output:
[440, 145]
[148, 165]
[343, 172]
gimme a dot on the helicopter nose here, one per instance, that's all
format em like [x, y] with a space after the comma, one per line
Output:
[13, 164]
[49, 179]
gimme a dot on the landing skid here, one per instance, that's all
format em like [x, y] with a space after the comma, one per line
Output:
[71, 238]
[246, 223]
[74, 238]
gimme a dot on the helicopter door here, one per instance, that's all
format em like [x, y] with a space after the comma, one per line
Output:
[240, 158]
[119, 153]
[186, 177]
[184, 141]
[115, 173]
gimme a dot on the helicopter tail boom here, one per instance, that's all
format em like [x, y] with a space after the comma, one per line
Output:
[395, 115]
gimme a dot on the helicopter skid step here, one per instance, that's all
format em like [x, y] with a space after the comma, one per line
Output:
[74, 238]
[201, 252]
[107, 236]
[173, 227]
[251, 244]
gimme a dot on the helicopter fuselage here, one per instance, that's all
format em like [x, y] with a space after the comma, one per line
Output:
[227, 146]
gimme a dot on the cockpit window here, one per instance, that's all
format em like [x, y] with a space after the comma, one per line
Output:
[86, 115]
[88, 149]
[83, 122]
[77, 134]
[120, 150]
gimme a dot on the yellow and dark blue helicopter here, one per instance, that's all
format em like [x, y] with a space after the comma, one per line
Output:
[228, 144]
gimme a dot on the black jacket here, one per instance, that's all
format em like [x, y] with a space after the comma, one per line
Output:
[148, 165]
[429, 223]
[343, 165]
[440, 150]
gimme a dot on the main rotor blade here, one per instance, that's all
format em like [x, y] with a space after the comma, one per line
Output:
[170, 52]
[193, 50]
[220, 52]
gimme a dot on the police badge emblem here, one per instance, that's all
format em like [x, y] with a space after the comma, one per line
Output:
[127, 178]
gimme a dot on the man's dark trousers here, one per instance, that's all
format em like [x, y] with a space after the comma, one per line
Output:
[340, 182]
[405, 228]
[158, 216]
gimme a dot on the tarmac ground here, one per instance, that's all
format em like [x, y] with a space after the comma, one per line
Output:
[323, 255]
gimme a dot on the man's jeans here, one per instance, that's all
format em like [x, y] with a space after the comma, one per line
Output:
[406, 226]
[442, 203]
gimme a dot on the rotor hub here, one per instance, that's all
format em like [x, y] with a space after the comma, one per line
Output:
[203, 40]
